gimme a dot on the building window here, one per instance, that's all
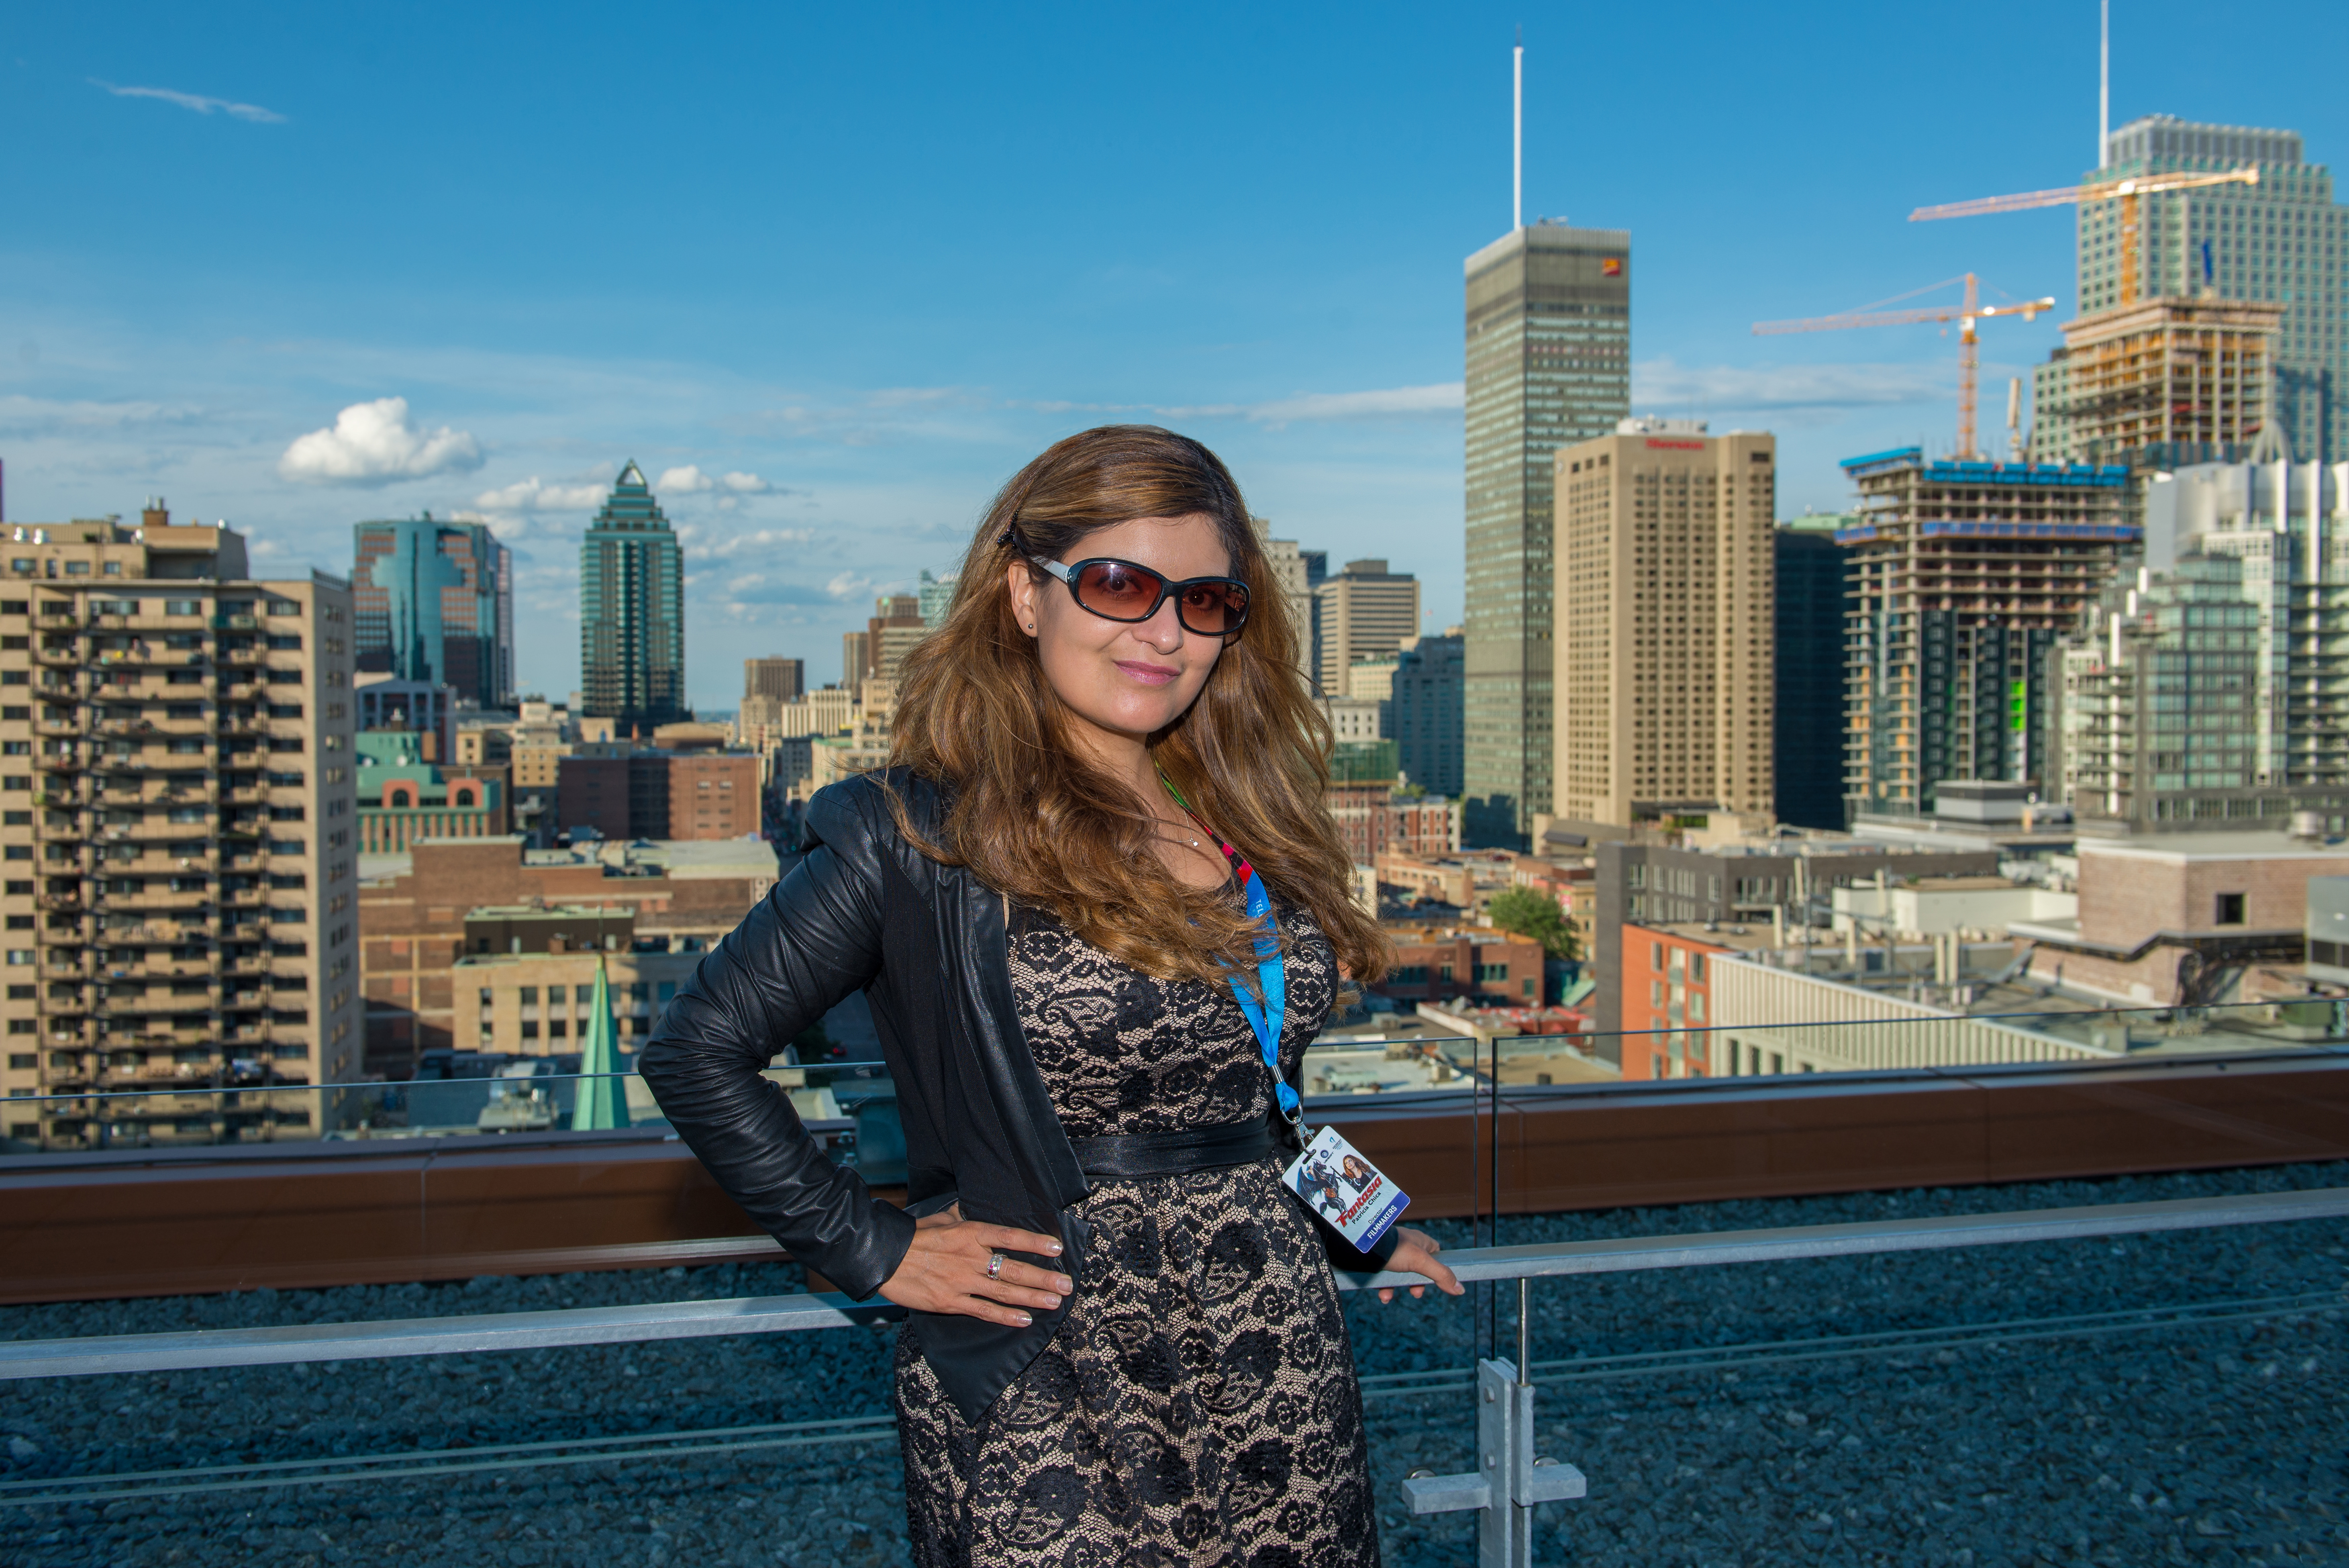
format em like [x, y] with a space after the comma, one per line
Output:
[2230, 909]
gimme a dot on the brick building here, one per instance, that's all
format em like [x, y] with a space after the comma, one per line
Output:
[1423, 827]
[659, 794]
[462, 896]
[2176, 918]
[1665, 984]
[1493, 968]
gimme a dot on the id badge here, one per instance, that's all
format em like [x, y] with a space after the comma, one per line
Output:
[1346, 1190]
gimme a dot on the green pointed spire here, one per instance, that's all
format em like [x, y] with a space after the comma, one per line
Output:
[601, 1102]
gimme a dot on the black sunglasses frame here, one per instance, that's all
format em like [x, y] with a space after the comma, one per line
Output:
[1166, 589]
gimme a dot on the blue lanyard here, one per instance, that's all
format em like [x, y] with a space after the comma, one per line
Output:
[1268, 1010]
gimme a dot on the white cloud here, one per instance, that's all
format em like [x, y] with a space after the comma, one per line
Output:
[197, 101]
[848, 586]
[725, 547]
[374, 444]
[691, 481]
[1661, 383]
[21, 413]
[1442, 399]
[531, 494]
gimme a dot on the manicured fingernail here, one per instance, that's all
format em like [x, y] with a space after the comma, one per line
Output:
[1025, 1320]
[1052, 1251]
[1054, 1303]
[1062, 1283]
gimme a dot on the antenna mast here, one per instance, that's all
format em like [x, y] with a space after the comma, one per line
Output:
[1517, 171]
[2105, 87]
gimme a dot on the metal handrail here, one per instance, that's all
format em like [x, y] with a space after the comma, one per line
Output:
[187, 1350]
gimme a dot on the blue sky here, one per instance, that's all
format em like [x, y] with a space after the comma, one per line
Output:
[867, 260]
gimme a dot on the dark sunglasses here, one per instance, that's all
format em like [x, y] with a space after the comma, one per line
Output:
[1120, 590]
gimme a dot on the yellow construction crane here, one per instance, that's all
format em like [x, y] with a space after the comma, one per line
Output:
[2127, 192]
[1966, 313]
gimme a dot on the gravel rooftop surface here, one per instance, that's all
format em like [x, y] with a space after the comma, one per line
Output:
[2216, 1442]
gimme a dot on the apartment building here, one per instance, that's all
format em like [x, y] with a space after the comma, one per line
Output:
[176, 819]
[2204, 690]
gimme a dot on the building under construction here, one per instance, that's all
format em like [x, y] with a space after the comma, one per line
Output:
[2157, 383]
[1964, 574]
[2207, 285]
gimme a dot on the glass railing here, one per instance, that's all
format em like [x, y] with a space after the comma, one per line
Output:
[853, 1104]
[836, 1100]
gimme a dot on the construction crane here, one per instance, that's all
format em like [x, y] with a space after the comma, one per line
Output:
[1966, 313]
[2128, 192]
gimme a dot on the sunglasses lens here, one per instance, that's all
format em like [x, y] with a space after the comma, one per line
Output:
[1212, 609]
[1118, 591]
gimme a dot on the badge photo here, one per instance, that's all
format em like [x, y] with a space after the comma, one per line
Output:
[1343, 1188]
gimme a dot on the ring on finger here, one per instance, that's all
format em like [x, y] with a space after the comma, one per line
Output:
[994, 1265]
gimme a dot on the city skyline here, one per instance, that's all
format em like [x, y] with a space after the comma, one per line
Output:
[242, 372]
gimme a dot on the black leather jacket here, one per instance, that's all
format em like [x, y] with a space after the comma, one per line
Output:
[865, 910]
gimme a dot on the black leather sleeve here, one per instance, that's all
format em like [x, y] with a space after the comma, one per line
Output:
[811, 940]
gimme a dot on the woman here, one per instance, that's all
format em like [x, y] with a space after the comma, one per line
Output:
[1124, 1343]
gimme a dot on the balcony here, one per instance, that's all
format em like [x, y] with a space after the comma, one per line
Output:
[1712, 1384]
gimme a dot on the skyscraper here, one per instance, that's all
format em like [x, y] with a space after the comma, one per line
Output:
[632, 611]
[2280, 241]
[938, 598]
[1665, 644]
[1425, 704]
[434, 602]
[1807, 719]
[1549, 363]
[1364, 612]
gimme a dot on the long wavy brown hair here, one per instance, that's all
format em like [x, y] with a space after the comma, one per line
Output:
[1034, 821]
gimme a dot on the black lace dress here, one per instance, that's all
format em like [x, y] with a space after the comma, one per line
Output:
[1198, 1404]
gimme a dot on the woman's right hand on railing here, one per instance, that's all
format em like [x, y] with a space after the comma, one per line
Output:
[946, 1269]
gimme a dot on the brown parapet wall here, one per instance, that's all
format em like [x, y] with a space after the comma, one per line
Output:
[300, 1216]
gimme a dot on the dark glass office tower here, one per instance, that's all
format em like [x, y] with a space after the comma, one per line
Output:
[1549, 363]
[1807, 722]
[632, 611]
[434, 601]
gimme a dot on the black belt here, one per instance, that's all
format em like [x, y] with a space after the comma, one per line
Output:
[1179, 1152]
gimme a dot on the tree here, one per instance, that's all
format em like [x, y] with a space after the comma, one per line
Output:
[1523, 912]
